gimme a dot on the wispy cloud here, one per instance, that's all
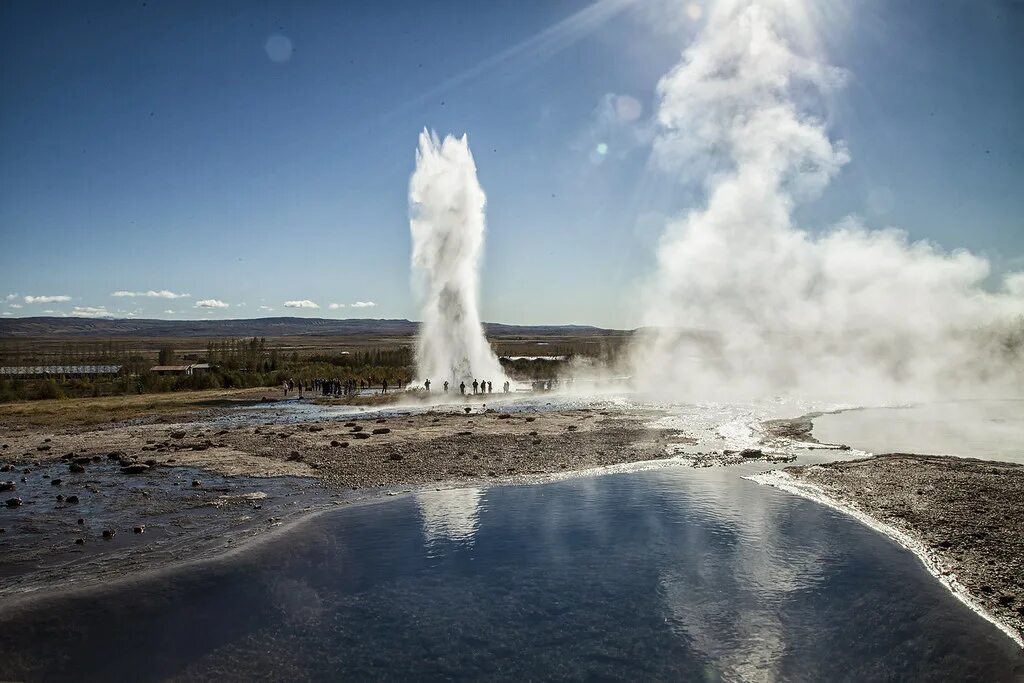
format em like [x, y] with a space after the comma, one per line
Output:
[10, 297]
[155, 294]
[90, 312]
[301, 303]
[211, 303]
[169, 311]
[7, 313]
[266, 308]
[336, 306]
[15, 305]
[363, 304]
[46, 298]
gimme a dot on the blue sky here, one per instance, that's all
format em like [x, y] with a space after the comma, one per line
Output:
[183, 147]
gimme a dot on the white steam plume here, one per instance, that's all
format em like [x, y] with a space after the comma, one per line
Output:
[446, 206]
[744, 303]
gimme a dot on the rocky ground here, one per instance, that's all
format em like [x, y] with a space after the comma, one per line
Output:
[96, 501]
[965, 512]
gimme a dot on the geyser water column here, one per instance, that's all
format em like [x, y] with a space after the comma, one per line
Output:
[446, 217]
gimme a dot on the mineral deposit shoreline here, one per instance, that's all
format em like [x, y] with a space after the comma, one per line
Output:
[957, 515]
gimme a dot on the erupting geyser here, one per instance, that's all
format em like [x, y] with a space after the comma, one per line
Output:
[446, 216]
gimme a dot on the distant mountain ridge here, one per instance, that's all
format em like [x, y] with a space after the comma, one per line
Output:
[255, 327]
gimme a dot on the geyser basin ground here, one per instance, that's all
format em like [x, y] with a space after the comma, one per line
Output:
[675, 573]
[665, 572]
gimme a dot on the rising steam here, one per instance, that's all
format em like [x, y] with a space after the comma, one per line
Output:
[446, 206]
[744, 302]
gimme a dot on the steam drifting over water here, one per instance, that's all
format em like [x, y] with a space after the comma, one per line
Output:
[446, 206]
[744, 302]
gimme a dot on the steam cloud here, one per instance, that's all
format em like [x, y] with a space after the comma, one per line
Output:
[744, 303]
[446, 207]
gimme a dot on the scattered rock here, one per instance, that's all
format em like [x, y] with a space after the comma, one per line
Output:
[295, 456]
[7, 486]
[43, 447]
[316, 428]
[13, 502]
[751, 453]
[196, 482]
[81, 521]
[71, 500]
[350, 424]
[109, 533]
[79, 541]
[178, 434]
[360, 435]
[357, 428]
[56, 482]
[530, 419]
[139, 529]
[135, 468]
[381, 430]
[60, 498]
[504, 416]
[76, 468]
[394, 456]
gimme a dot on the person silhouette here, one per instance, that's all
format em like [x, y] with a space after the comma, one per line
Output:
[446, 386]
[462, 388]
[475, 385]
[490, 387]
[426, 383]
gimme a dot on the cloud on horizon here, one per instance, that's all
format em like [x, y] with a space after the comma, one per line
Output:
[363, 304]
[211, 303]
[46, 298]
[301, 303]
[157, 294]
[90, 312]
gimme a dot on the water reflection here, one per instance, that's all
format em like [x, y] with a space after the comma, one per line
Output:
[669, 574]
[449, 516]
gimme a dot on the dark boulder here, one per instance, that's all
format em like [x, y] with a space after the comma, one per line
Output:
[13, 502]
[76, 468]
[382, 430]
[135, 468]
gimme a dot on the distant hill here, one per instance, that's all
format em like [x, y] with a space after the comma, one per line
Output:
[257, 327]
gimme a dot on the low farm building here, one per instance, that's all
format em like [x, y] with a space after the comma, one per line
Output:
[191, 369]
[32, 371]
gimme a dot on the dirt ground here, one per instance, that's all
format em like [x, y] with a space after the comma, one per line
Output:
[966, 512]
[89, 502]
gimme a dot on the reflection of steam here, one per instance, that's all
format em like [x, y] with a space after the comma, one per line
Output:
[725, 600]
[748, 304]
[447, 222]
[450, 515]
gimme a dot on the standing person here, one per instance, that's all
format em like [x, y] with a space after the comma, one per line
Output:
[462, 388]
[506, 386]
[284, 385]
[446, 386]
[490, 387]
[475, 385]
[383, 386]
[426, 383]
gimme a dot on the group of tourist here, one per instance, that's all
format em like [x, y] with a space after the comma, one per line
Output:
[479, 387]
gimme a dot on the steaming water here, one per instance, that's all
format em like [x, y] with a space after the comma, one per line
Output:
[671, 574]
[446, 206]
[992, 430]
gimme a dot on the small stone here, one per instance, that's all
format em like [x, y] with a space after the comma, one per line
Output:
[751, 453]
[60, 498]
[295, 456]
[7, 486]
[357, 428]
[71, 500]
[81, 521]
[382, 430]
[196, 482]
[79, 541]
[55, 482]
[395, 456]
[76, 468]
[109, 533]
[42, 448]
[13, 502]
[141, 528]
[530, 419]
[135, 468]
[178, 434]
